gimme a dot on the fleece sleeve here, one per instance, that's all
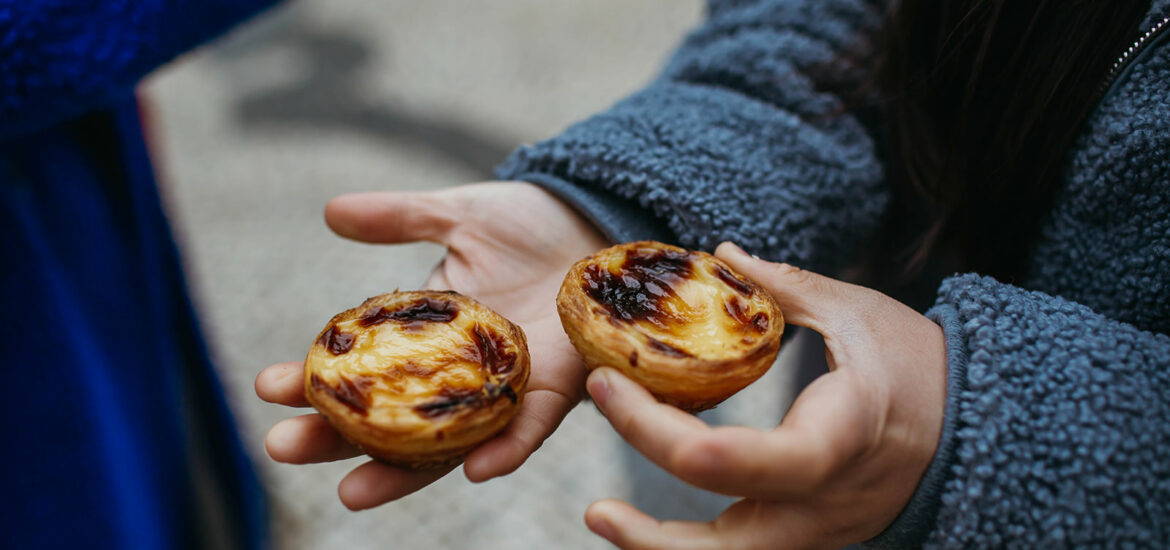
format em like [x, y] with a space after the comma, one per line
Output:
[1057, 430]
[61, 58]
[740, 138]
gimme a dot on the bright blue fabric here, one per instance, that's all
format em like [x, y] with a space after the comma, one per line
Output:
[109, 400]
[1058, 405]
[62, 58]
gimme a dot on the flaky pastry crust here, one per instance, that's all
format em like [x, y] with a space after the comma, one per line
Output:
[679, 322]
[420, 378]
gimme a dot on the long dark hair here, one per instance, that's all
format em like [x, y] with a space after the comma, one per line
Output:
[982, 100]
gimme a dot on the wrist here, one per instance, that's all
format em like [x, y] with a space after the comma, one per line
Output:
[618, 219]
[912, 526]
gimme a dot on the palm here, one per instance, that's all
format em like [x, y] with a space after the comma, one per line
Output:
[515, 265]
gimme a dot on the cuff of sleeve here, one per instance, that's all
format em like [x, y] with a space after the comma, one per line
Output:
[911, 528]
[620, 220]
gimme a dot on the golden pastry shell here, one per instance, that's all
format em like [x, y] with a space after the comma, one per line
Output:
[679, 322]
[418, 378]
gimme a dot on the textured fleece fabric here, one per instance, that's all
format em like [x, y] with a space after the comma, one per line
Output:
[1057, 423]
[117, 433]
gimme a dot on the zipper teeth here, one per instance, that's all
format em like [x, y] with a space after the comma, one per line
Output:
[1134, 49]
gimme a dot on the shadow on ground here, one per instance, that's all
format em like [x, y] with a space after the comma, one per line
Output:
[329, 95]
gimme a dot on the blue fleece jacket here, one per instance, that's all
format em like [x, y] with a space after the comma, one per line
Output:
[1057, 422]
[116, 430]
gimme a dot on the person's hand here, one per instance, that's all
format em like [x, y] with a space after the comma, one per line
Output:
[845, 460]
[509, 246]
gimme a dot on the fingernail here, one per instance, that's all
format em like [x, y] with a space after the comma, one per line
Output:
[276, 441]
[598, 386]
[604, 529]
[735, 249]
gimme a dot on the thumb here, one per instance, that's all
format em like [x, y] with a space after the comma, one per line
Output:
[393, 217]
[806, 298]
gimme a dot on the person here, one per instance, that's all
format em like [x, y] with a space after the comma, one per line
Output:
[1020, 146]
[119, 435]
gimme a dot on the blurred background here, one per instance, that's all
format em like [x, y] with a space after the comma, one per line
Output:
[255, 133]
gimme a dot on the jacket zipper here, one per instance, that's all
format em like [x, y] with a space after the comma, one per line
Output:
[1130, 54]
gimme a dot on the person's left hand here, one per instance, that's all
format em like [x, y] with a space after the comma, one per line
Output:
[845, 460]
[509, 245]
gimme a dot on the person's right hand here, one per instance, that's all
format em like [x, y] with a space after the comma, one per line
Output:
[840, 467]
[509, 245]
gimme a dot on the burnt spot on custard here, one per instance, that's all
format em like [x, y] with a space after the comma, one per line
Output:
[451, 401]
[351, 392]
[634, 358]
[736, 309]
[336, 341]
[494, 353]
[736, 284]
[414, 315]
[760, 322]
[414, 369]
[646, 279]
[664, 348]
[508, 392]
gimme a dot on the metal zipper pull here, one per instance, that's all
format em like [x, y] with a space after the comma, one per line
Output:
[1130, 54]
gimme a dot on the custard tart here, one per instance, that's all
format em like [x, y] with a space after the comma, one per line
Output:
[420, 378]
[679, 322]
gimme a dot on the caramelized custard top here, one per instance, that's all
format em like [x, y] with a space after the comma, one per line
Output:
[429, 355]
[683, 303]
[639, 289]
[413, 316]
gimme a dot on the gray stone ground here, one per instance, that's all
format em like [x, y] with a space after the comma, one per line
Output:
[317, 98]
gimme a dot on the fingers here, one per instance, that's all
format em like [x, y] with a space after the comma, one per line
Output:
[310, 439]
[730, 460]
[630, 529]
[653, 428]
[539, 415]
[283, 384]
[375, 483]
[307, 439]
[746, 462]
[746, 525]
[392, 217]
[806, 298]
